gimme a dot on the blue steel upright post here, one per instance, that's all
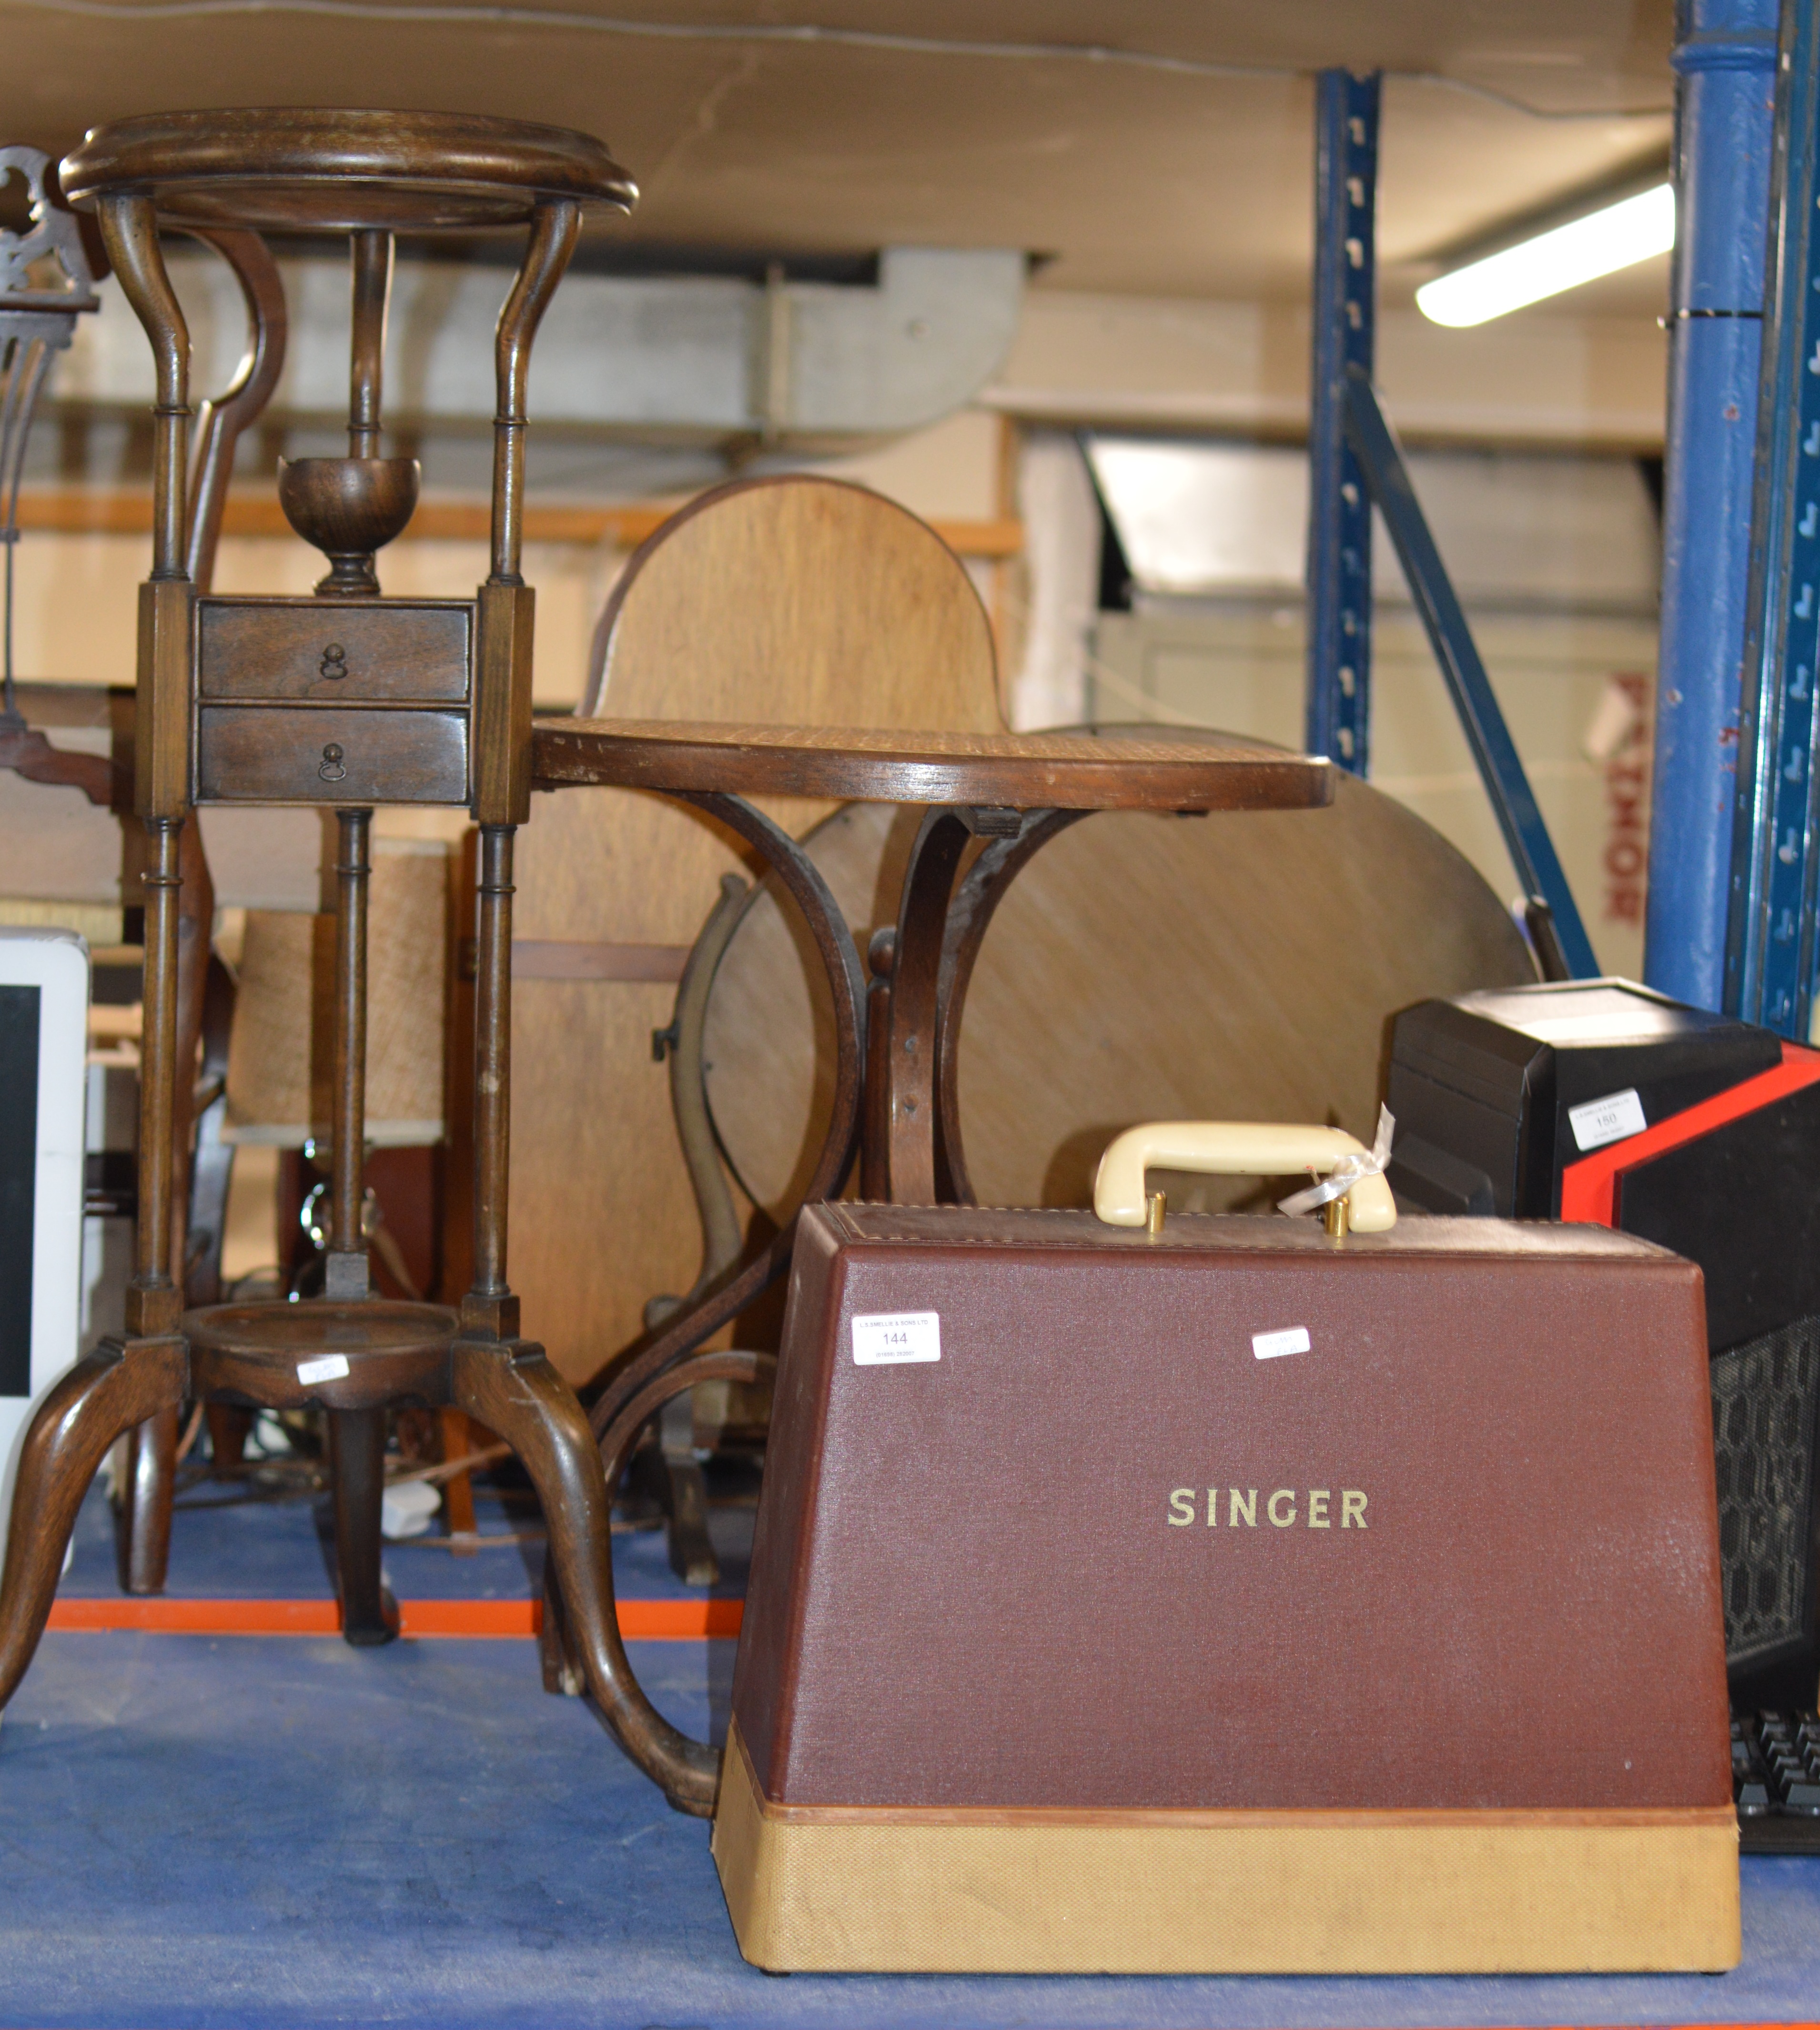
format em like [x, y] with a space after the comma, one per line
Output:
[1725, 60]
[1770, 956]
[1346, 304]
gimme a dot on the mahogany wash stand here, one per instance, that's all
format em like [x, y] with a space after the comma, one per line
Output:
[347, 700]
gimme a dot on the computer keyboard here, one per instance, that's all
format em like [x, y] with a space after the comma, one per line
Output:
[1776, 1781]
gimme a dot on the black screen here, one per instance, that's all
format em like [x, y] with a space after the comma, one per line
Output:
[18, 1181]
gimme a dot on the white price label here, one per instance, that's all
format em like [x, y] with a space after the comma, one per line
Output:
[1274, 1345]
[886, 1337]
[1611, 1119]
[331, 1367]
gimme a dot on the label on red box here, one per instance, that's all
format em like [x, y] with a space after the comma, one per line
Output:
[885, 1339]
[1612, 1119]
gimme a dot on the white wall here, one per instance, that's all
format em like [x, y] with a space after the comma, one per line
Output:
[1539, 377]
[1555, 556]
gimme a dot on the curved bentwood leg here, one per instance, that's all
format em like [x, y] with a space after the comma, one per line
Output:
[116, 1388]
[581, 1645]
[912, 1138]
[982, 889]
[900, 1151]
[685, 1329]
[518, 1394]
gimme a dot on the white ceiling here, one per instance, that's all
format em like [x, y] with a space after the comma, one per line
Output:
[1179, 166]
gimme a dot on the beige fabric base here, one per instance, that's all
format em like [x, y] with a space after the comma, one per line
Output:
[840, 1890]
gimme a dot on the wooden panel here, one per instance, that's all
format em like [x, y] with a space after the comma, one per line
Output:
[279, 1057]
[334, 649]
[57, 846]
[601, 1216]
[161, 756]
[572, 958]
[309, 754]
[803, 590]
[781, 602]
[504, 616]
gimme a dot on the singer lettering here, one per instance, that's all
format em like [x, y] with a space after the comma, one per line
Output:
[1284, 1507]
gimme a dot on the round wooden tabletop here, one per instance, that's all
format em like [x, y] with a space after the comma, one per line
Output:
[1010, 771]
[276, 169]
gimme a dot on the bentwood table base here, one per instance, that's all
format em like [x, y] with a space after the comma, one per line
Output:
[895, 1039]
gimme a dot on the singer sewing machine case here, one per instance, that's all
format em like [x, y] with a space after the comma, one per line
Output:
[1235, 1599]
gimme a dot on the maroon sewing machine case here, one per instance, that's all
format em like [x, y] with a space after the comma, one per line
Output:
[1235, 1597]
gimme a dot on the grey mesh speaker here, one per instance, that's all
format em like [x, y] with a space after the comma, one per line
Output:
[1764, 1395]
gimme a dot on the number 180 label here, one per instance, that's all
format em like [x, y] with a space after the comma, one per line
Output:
[887, 1337]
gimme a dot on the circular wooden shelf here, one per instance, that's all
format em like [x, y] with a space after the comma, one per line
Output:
[284, 169]
[391, 1349]
[1013, 771]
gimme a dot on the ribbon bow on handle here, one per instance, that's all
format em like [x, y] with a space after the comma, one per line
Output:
[1346, 1172]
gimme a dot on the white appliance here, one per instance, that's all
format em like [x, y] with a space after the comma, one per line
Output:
[43, 1051]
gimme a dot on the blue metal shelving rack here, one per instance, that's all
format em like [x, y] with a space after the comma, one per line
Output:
[1726, 61]
[1346, 293]
[1354, 463]
[1770, 956]
[1495, 753]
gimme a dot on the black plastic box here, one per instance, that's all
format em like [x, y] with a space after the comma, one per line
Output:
[1698, 1132]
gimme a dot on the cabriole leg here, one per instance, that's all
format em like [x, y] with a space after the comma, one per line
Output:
[146, 1503]
[116, 1387]
[369, 1613]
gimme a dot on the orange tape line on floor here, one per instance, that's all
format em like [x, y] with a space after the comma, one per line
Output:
[640, 1620]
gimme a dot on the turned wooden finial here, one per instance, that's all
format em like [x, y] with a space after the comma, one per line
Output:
[351, 506]
[348, 507]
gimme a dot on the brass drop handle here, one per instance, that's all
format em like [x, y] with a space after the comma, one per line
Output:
[332, 770]
[334, 662]
[1239, 1149]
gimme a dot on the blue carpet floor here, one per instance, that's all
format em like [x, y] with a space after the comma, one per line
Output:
[229, 1833]
[224, 1546]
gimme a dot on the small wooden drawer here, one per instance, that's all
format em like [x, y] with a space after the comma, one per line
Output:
[314, 754]
[417, 649]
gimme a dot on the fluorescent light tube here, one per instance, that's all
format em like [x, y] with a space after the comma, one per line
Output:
[1618, 236]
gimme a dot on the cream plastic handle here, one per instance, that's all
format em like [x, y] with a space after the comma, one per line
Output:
[1232, 1148]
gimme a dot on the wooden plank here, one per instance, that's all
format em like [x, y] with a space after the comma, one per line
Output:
[127, 512]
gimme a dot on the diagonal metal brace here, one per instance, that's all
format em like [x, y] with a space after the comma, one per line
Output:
[1481, 718]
